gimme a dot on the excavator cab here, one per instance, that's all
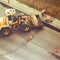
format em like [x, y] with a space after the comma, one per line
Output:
[6, 21]
[24, 23]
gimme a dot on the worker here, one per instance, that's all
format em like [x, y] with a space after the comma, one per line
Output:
[48, 19]
[43, 12]
[14, 19]
[19, 16]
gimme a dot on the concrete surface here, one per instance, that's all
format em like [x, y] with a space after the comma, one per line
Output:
[2, 9]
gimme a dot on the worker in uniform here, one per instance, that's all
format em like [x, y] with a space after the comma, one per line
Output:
[15, 18]
[48, 19]
[19, 18]
[43, 12]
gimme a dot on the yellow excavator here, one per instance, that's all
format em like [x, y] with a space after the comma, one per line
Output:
[24, 22]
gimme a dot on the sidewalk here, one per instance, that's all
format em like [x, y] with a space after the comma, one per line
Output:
[2, 9]
[28, 10]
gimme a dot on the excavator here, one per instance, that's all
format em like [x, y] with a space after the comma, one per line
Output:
[23, 22]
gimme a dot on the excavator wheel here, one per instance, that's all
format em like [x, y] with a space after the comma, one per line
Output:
[25, 27]
[5, 31]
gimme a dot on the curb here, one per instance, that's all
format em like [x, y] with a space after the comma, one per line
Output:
[51, 26]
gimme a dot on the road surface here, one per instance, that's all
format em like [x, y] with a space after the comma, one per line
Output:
[17, 47]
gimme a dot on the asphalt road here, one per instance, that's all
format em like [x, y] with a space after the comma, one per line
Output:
[17, 47]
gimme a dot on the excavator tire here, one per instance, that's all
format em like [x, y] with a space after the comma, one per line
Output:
[5, 31]
[25, 27]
